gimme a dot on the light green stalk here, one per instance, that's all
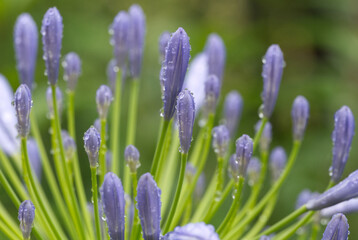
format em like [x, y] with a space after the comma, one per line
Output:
[102, 152]
[95, 201]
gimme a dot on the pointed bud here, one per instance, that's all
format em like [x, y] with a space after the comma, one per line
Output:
[163, 43]
[193, 231]
[221, 140]
[92, 141]
[51, 31]
[131, 155]
[23, 104]
[103, 98]
[72, 67]
[346, 207]
[300, 113]
[69, 145]
[173, 70]
[253, 171]
[120, 30]
[215, 50]
[112, 71]
[26, 42]
[212, 92]
[244, 149]
[278, 161]
[232, 111]
[271, 74]
[34, 157]
[342, 139]
[59, 99]
[186, 117]
[337, 228]
[266, 136]
[148, 205]
[26, 217]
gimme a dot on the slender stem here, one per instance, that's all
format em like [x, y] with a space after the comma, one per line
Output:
[316, 228]
[102, 152]
[159, 149]
[95, 201]
[6, 218]
[136, 225]
[259, 133]
[71, 113]
[8, 189]
[220, 179]
[198, 146]
[184, 157]
[188, 209]
[165, 152]
[4, 229]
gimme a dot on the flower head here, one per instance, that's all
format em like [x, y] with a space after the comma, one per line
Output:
[232, 111]
[26, 217]
[337, 228]
[163, 43]
[131, 155]
[103, 98]
[72, 67]
[112, 71]
[59, 99]
[244, 149]
[278, 161]
[300, 113]
[120, 30]
[23, 104]
[216, 52]
[193, 231]
[266, 135]
[92, 141]
[212, 91]
[221, 139]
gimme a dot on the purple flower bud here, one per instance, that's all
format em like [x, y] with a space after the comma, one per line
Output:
[173, 70]
[92, 141]
[51, 31]
[212, 92]
[34, 157]
[59, 98]
[186, 117]
[120, 30]
[26, 42]
[112, 195]
[23, 104]
[136, 36]
[221, 140]
[300, 113]
[346, 207]
[244, 149]
[72, 67]
[253, 171]
[232, 111]
[342, 139]
[194, 231]
[163, 43]
[271, 74]
[278, 161]
[345, 190]
[215, 50]
[112, 71]
[69, 145]
[266, 135]
[26, 217]
[337, 228]
[148, 205]
[103, 98]
[131, 155]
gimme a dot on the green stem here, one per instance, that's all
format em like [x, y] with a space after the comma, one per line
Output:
[136, 225]
[102, 152]
[165, 152]
[159, 149]
[220, 179]
[8, 189]
[188, 209]
[259, 133]
[195, 154]
[11, 235]
[8, 221]
[71, 114]
[95, 201]
[316, 228]
[184, 158]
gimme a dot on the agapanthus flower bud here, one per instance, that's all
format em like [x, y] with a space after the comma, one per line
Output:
[26, 217]
[244, 149]
[266, 135]
[194, 231]
[215, 50]
[112, 195]
[23, 104]
[271, 73]
[112, 71]
[131, 155]
[346, 207]
[103, 98]
[136, 39]
[278, 161]
[69, 144]
[92, 141]
[337, 228]
[253, 171]
[173, 70]
[26, 42]
[232, 111]
[120, 30]
[212, 92]
[342, 139]
[344, 190]
[51, 31]
[34, 157]
[148, 205]
[221, 140]
[300, 113]
[163, 43]
[186, 117]
[59, 99]
[72, 67]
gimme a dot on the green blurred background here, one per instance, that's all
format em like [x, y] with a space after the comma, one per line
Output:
[319, 40]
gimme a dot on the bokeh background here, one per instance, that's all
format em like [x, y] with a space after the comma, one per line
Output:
[320, 44]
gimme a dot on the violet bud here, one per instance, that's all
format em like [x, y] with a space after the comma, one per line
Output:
[212, 92]
[92, 141]
[232, 111]
[194, 231]
[278, 161]
[215, 50]
[344, 190]
[266, 136]
[26, 42]
[244, 149]
[234, 167]
[253, 171]
[120, 30]
[221, 140]
[136, 34]
[34, 157]
[23, 104]
[300, 113]
[304, 197]
[342, 139]
[186, 117]
[148, 205]
[163, 43]
[69, 145]
[72, 67]
[112, 71]
[26, 217]
[346, 207]
[337, 228]
[112, 195]
[173, 70]
[131, 155]
[273, 64]
[103, 98]
[51, 31]
[59, 99]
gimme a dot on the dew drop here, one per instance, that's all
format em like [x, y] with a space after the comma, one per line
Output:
[261, 111]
